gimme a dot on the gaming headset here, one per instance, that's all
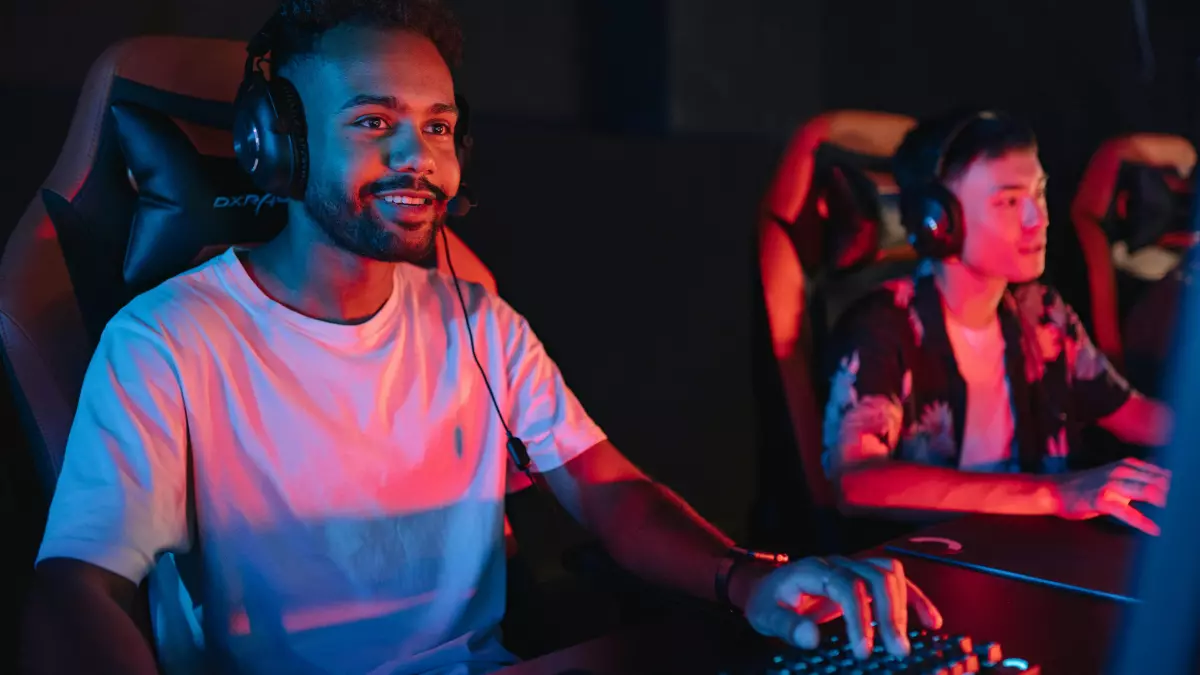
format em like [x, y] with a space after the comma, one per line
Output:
[929, 211]
[270, 140]
[270, 137]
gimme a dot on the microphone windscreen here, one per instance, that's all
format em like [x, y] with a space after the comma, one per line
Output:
[461, 203]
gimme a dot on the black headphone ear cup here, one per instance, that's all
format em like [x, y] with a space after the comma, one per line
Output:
[253, 121]
[291, 122]
[261, 143]
[932, 216]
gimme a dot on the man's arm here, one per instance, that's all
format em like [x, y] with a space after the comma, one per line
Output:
[119, 502]
[1141, 421]
[80, 618]
[1102, 396]
[897, 489]
[894, 487]
[646, 527]
[651, 532]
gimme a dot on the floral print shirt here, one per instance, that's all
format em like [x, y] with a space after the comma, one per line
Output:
[895, 386]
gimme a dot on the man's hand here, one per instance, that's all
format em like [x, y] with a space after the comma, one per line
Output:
[791, 601]
[1108, 490]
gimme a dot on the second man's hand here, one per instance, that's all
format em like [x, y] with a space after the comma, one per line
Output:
[1109, 490]
[791, 601]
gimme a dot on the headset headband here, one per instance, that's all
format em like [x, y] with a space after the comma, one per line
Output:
[259, 45]
[956, 131]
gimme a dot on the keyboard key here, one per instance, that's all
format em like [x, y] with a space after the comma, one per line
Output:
[962, 643]
[989, 653]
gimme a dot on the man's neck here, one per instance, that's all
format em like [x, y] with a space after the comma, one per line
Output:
[303, 270]
[969, 296]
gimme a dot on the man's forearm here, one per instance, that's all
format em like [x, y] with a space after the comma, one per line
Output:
[896, 487]
[654, 534]
[1141, 421]
[76, 628]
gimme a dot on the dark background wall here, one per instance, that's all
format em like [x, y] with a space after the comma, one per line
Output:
[623, 145]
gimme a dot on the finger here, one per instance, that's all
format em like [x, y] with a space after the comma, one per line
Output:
[820, 610]
[1145, 466]
[1138, 476]
[1130, 516]
[890, 604]
[795, 629]
[850, 591]
[1131, 490]
[927, 612]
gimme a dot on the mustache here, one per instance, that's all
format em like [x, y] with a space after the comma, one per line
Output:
[404, 182]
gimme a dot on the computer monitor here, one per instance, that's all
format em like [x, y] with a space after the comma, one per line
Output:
[1162, 634]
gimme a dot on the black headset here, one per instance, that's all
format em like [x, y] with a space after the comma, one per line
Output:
[270, 140]
[930, 212]
[270, 136]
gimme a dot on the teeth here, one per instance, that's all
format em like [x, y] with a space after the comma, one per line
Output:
[407, 201]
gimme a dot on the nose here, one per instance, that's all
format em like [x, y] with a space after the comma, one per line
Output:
[409, 152]
[1035, 215]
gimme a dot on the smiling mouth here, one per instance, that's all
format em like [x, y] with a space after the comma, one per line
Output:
[405, 200]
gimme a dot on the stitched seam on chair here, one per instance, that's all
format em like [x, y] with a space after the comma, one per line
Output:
[4, 335]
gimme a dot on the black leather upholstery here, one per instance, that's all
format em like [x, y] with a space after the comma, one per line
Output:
[188, 205]
[1149, 202]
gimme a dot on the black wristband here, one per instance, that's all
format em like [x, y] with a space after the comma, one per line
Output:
[734, 558]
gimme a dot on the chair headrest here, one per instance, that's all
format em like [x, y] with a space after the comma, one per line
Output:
[188, 205]
[853, 211]
[835, 190]
[134, 195]
[1149, 205]
[1098, 189]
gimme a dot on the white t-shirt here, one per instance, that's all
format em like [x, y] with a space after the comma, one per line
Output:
[988, 432]
[348, 481]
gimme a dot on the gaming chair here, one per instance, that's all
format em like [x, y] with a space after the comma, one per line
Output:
[1130, 184]
[828, 232]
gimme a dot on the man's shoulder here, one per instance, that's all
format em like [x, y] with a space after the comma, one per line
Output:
[437, 288]
[182, 300]
[890, 299]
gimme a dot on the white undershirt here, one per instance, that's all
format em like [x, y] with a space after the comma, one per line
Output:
[988, 432]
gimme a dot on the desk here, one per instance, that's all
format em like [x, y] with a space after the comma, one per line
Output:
[1095, 556]
[984, 606]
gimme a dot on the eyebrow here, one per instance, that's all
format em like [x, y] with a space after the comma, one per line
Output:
[1019, 186]
[392, 103]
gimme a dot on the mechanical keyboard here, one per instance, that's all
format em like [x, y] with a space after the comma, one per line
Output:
[933, 653]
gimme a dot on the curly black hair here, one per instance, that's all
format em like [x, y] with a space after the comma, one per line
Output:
[301, 23]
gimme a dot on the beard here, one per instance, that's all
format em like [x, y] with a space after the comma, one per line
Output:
[361, 231]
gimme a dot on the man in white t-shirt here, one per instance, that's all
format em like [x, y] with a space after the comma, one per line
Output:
[302, 432]
[964, 388]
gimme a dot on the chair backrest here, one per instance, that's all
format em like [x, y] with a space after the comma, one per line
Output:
[1104, 194]
[830, 213]
[145, 187]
